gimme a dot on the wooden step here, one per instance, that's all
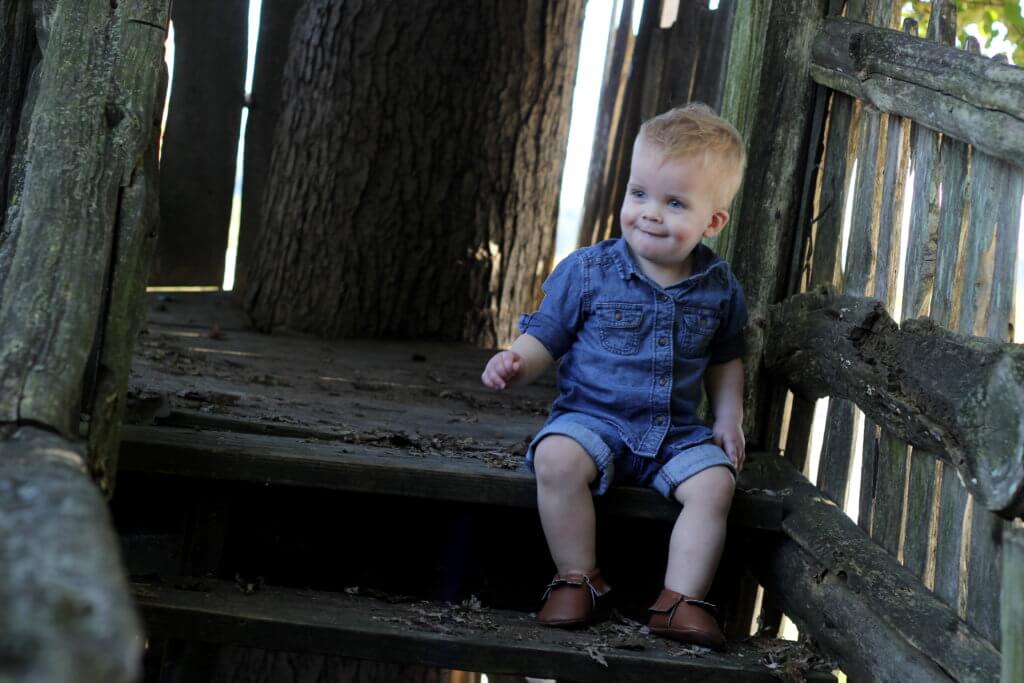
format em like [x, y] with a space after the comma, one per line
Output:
[408, 468]
[467, 637]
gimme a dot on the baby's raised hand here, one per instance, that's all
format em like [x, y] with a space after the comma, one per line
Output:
[501, 369]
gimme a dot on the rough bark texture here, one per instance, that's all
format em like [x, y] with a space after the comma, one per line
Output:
[65, 611]
[972, 98]
[415, 175]
[854, 598]
[947, 393]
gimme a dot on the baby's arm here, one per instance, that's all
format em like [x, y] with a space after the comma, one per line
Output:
[724, 383]
[522, 363]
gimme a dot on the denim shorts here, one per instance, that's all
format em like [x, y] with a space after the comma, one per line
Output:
[616, 462]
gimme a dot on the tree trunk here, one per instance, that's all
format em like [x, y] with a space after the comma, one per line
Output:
[416, 168]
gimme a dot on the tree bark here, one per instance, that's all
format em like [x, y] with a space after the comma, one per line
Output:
[416, 166]
[958, 396]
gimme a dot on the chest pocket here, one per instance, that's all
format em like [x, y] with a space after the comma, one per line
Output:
[619, 326]
[698, 328]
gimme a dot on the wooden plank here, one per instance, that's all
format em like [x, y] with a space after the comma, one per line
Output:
[433, 634]
[918, 279]
[834, 470]
[954, 226]
[741, 92]
[827, 243]
[985, 564]
[884, 288]
[1000, 310]
[984, 572]
[264, 107]
[17, 45]
[406, 468]
[889, 489]
[609, 111]
[844, 566]
[709, 84]
[948, 536]
[628, 125]
[197, 165]
[950, 91]
[1013, 605]
[767, 218]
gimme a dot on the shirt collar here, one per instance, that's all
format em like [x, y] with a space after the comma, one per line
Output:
[704, 261]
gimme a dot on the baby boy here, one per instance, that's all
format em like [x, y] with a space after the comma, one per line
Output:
[636, 323]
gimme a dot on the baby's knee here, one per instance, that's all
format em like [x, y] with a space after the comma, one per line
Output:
[712, 490]
[559, 460]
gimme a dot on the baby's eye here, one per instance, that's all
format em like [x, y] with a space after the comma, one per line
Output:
[675, 204]
[639, 194]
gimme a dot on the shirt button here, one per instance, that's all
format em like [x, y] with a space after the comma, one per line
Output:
[662, 341]
[663, 297]
[660, 419]
[662, 381]
[618, 315]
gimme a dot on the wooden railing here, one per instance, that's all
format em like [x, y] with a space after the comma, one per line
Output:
[917, 117]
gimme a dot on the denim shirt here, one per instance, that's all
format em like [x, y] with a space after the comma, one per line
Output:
[632, 354]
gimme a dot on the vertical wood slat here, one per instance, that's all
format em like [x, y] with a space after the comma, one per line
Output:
[1005, 186]
[606, 225]
[954, 228]
[894, 172]
[710, 79]
[919, 275]
[1013, 604]
[17, 44]
[741, 92]
[609, 113]
[197, 171]
[276, 18]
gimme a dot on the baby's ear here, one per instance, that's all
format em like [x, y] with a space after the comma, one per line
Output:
[718, 221]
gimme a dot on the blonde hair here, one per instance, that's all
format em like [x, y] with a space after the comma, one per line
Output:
[697, 129]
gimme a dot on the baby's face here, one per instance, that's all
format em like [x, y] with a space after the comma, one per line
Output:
[669, 207]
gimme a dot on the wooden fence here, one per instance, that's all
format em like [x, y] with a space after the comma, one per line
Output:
[956, 265]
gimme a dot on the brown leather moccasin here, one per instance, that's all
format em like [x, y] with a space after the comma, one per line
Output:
[686, 620]
[573, 600]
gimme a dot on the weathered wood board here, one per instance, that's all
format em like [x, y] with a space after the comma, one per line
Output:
[467, 636]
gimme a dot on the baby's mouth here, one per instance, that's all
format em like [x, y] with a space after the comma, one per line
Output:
[650, 233]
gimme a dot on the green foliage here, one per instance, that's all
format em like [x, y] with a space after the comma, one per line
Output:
[983, 13]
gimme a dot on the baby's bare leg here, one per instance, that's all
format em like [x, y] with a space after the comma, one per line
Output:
[699, 533]
[564, 473]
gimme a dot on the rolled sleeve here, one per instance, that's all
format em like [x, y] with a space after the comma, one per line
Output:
[730, 341]
[556, 322]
